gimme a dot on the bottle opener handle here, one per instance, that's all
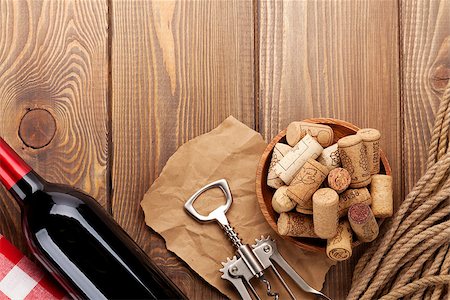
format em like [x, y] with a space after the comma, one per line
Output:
[219, 213]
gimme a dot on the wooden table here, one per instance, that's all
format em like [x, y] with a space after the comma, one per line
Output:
[99, 94]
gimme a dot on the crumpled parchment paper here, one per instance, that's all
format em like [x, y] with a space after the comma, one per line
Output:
[230, 151]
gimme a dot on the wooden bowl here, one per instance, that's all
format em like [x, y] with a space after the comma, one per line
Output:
[264, 192]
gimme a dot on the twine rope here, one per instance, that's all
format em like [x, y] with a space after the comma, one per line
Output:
[422, 283]
[412, 256]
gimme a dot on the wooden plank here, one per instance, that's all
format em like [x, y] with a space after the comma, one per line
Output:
[54, 63]
[425, 39]
[178, 70]
[336, 59]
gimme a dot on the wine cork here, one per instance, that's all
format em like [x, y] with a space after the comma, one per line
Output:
[325, 212]
[291, 163]
[281, 202]
[279, 151]
[339, 248]
[353, 196]
[339, 179]
[371, 139]
[295, 224]
[297, 130]
[303, 210]
[306, 182]
[330, 157]
[363, 222]
[381, 192]
[354, 159]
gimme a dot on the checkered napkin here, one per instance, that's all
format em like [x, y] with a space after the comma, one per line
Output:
[20, 278]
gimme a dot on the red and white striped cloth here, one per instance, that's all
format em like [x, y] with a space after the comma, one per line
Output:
[20, 278]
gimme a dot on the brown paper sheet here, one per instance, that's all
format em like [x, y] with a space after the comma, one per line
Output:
[230, 151]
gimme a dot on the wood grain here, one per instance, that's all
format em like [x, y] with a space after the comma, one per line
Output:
[53, 56]
[336, 59]
[425, 61]
[178, 70]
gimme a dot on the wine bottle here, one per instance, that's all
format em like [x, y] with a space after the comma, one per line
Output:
[77, 241]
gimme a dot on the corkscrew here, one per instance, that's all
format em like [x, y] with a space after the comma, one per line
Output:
[250, 261]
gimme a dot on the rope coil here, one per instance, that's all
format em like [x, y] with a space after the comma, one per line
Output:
[412, 257]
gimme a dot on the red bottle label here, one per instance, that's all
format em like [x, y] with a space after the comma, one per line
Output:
[12, 167]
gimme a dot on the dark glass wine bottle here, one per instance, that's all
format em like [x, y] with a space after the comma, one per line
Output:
[77, 241]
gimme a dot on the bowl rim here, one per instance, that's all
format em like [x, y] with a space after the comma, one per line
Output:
[259, 174]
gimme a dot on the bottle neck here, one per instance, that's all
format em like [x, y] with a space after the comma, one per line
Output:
[16, 175]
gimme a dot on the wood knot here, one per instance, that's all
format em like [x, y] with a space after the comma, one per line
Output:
[37, 128]
[440, 73]
[440, 78]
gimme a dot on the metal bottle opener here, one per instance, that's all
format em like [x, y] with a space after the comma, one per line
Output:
[249, 261]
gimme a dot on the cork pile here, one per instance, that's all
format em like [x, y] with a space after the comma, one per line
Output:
[329, 191]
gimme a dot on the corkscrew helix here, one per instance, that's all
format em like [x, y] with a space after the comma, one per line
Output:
[250, 261]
